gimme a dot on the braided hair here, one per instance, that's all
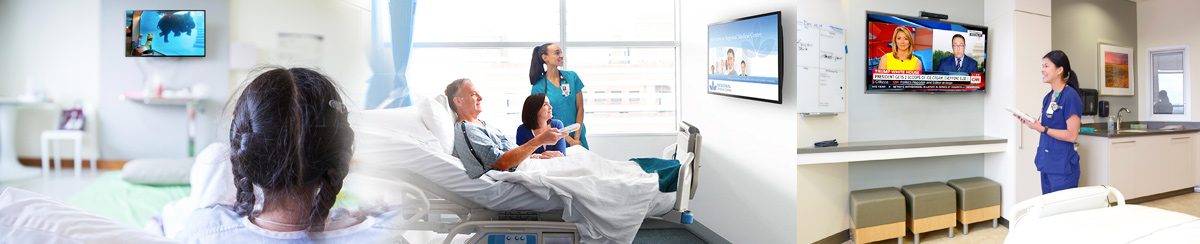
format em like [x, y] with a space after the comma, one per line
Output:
[291, 137]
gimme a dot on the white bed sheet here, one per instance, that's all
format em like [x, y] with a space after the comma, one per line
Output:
[1120, 224]
[383, 153]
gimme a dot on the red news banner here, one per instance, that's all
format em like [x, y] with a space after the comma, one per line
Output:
[916, 79]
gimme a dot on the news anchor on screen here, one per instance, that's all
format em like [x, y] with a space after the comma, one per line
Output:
[901, 57]
[959, 62]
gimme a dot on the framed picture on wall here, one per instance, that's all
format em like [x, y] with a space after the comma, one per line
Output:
[1116, 63]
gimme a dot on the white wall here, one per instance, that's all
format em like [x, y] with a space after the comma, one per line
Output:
[130, 130]
[822, 190]
[345, 26]
[1168, 23]
[58, 52]
[747, 188]
[1021, 36]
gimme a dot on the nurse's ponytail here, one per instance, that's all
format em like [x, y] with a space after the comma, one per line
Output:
[1059, 58]
[536, 66]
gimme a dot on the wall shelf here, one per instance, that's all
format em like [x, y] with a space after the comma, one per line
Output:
[899, 149]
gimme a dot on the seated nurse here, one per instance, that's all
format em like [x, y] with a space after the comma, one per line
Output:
[481, 147]
[291, 141]
[536, 117]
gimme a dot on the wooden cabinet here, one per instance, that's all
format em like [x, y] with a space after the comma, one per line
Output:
[1139, 166]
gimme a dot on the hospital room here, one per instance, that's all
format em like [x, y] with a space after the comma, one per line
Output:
[381, 121]
[463, 121]
[1108, 154]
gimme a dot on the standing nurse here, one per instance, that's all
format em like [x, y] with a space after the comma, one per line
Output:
[561, 88]
[1056, 158]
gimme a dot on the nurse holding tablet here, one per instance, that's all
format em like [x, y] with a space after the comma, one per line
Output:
[1056, 157]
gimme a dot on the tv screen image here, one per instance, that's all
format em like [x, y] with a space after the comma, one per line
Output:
[164, 33]
[744, 59]
[907, 54]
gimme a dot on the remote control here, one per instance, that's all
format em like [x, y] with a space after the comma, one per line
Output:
[570, 128]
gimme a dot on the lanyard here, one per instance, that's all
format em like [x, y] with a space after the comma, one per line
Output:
[566, 88]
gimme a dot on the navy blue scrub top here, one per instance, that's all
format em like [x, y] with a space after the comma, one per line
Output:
[1056, 156]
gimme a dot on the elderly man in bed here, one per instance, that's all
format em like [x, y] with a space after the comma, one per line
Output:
[481, 147]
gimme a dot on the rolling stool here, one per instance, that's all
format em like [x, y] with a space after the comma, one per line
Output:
[877, 214]
[55, 136]
[978, 200]
[930, 207]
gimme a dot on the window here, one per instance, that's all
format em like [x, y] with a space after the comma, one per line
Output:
[1166, 94]
[613, 48]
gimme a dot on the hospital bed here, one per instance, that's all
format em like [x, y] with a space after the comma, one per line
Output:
[1087, 215]
[442, 199]
[439, 197]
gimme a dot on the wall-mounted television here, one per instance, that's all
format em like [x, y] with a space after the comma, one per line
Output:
[909, 54]
[164, 33]
[744, 58]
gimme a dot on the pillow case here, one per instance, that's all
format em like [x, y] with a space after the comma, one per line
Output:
[158, 171]
[436, 116]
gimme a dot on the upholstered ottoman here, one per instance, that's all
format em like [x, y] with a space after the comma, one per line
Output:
[930, 207]
[877, 214]
[978, 200]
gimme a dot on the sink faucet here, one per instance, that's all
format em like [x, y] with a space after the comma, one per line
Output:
[1125, 110]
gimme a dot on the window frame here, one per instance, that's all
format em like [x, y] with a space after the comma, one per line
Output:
[564, 44]
[1149, 87]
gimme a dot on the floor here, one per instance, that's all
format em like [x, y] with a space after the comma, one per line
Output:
[58, 185]
[982, 233]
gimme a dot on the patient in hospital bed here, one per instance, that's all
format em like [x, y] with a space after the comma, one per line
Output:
[606, 198]
[482, 148]
[291, 141]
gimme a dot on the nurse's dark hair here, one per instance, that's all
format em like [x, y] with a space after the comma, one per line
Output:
[1059, 58]
[536, 69]
[291, 137]
[529, 112]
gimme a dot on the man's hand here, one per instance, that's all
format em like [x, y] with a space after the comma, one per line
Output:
[549, 137]
[552, 154]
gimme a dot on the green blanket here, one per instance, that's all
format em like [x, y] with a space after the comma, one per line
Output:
[125, 202]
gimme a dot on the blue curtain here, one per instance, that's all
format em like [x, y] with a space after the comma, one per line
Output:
[391, 28]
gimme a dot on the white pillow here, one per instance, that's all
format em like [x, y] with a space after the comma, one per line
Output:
[27, 217]
[158, 171]
[406, 120]
[436, 115]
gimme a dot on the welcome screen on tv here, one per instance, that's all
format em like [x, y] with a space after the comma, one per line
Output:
[918, 55]
[744, 58]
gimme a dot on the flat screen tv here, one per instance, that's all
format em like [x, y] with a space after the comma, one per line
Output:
[164, 33]
[908, 54]
[744, 59]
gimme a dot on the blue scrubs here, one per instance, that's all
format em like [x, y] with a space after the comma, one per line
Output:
[564, 106]
[1057, 160]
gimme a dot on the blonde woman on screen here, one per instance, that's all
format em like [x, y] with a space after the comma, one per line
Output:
[901, 57]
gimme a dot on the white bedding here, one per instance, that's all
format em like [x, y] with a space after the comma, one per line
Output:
[1120, 224]
[607, 200]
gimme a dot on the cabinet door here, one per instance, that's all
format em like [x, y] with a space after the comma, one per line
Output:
[1123, 167]
[1180, 162]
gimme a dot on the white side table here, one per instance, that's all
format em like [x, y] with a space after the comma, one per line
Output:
[10, 168]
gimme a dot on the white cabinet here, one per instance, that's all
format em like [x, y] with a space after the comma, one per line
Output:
[1139, 166]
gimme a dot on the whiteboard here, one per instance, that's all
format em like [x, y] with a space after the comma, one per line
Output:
[820, 67]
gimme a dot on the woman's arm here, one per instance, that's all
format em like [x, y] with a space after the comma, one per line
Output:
[883, 61]
[578, 115]
[1070, 134]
